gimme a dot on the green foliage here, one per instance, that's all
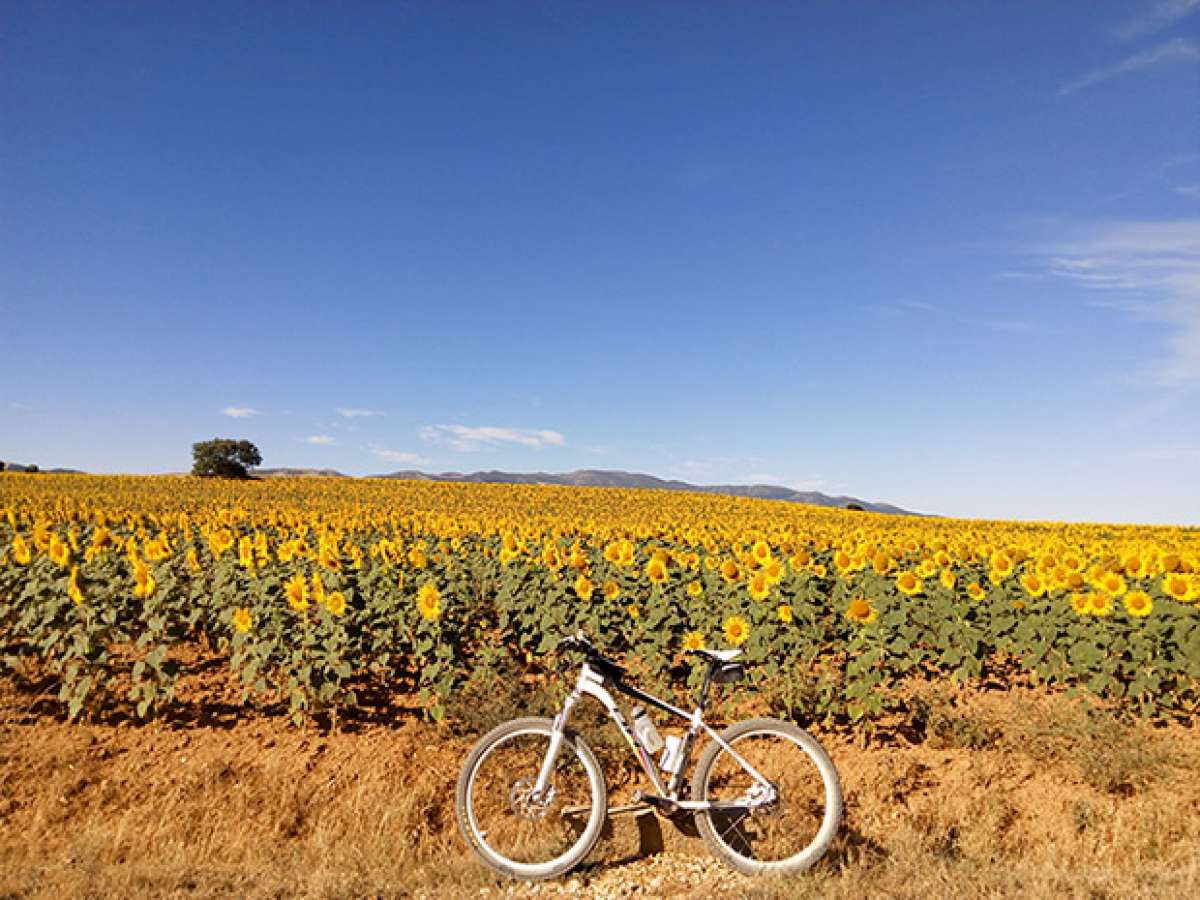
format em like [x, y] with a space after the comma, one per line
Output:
[224, 458]
[498, 615]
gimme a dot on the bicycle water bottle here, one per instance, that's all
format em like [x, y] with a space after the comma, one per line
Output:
[645, 730]
[672, 755]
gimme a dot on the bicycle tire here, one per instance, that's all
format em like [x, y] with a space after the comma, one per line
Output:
[484, 802]
[796, 763]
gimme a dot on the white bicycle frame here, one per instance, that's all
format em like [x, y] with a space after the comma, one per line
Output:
[592, 683]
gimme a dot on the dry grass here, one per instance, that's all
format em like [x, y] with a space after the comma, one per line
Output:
[1057, 802]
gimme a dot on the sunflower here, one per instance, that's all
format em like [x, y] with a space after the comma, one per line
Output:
[611, 590]
[612, 552]
[143, 578]
[220, 541]
[975, 591]
[758, 586]
[60, 553]
[296, 591]
[1176, 586]
[584, 587]
[1101, 603]
[1081, 603]
[73, 590]
[1111, 583]
[761, 552]
[737, 630]
[246, 552]
[1138, 603]
[429, 601]
[193, 561]
[1033, 584]
[730, 571]
[22, 553]
[656, 570]
[633, 611]
[693, 640]
[695, 589]
[785, 613]
[242, 620]
[318, 588]
[336, 603]
[861, 611]
[908, 583]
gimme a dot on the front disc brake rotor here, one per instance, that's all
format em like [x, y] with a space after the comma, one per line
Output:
[520, 798]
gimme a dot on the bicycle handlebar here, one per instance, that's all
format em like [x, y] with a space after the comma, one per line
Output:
[576, 641]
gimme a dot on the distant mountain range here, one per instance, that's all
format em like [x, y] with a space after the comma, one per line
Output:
[587, 478]
[612, 478]
[17, 467]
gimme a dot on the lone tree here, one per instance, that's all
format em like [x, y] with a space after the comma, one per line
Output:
[224, 458]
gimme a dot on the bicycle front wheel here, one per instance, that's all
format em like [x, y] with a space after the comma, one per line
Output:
[511, 829]
[786, 835]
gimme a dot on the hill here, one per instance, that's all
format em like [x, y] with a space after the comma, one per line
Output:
[616, 478]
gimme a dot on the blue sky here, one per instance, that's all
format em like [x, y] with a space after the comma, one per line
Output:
[945, 255]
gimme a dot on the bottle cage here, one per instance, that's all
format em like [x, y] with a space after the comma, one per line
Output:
[728, 673]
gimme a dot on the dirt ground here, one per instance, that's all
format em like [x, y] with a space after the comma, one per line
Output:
[1004, 795]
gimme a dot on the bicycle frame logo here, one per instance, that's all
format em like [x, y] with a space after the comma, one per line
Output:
[594, 683]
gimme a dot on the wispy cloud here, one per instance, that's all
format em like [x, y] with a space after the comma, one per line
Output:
[1189, 190]
[399, 456]
[1148, 270]
[470, 438]
[1162, 14]
[240, 412]
[320, 439]
[349, 412]
[1176, 50]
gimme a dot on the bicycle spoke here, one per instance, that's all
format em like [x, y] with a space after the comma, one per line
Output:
[779, 830]
[509, 820]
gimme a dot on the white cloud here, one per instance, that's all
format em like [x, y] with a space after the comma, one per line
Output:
[1147, 270]
[351, 413]
[322, 439]
[1176, 50]
[399, 456]
[240, 412]
[470, 438]
[1162, 15]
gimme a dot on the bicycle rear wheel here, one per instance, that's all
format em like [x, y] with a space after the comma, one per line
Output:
[515, 833]
[788, 835]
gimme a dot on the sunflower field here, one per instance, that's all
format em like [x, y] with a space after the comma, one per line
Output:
[314, 590]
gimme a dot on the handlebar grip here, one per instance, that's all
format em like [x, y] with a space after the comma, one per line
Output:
[575, 641]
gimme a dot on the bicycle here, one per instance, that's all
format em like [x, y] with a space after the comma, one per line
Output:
[532, 799]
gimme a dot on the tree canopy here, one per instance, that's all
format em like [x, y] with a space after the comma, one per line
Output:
[224, 458]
